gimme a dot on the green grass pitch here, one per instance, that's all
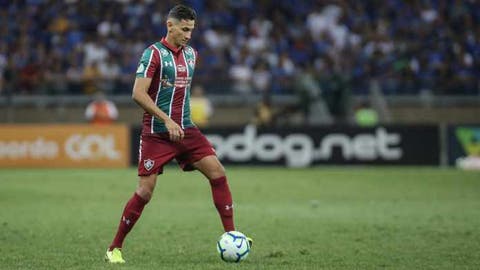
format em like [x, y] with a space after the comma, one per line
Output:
[316, 218]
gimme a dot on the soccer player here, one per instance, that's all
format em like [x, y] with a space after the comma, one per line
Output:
[162, 89]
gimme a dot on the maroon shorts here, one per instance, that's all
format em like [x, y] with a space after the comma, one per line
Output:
[156, 150]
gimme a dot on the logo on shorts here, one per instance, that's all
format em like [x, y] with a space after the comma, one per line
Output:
[148, 164]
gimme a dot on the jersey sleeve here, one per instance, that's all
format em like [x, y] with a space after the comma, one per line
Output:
[195, 53]
[149, 63]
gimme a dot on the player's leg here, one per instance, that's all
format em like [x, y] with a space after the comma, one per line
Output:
[154, 153]
[211, 167]
[202, 157]
[131, 213]
[133, 209]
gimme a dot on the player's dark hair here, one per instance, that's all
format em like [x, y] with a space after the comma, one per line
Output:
[182, 12]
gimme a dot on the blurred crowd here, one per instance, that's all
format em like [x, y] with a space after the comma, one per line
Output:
[246, 46]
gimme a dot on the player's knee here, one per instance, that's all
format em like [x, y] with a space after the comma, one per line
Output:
[217, 172]
[146, 185]
[144, 193]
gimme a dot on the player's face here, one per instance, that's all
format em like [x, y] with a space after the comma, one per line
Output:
[180, 31]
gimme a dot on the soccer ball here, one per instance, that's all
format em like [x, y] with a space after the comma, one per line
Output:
[233, 246]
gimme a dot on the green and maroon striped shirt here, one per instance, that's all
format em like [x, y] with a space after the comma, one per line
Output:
[171, 70]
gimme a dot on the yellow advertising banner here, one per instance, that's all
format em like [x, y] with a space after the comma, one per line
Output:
[64, 146]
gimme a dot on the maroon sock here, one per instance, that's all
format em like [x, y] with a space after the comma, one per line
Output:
[222, 198]
[130, 215]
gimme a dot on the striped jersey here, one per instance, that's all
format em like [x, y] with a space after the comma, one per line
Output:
[171, 70]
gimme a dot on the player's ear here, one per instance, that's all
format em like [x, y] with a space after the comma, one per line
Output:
[169, 24]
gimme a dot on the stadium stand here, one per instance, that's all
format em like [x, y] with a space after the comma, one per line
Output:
[404, 48]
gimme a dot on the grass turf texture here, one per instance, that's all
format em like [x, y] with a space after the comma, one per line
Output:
[318, 218]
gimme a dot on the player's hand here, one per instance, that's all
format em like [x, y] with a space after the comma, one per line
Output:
[174, 131]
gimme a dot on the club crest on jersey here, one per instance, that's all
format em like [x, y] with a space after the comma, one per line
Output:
[148, 164]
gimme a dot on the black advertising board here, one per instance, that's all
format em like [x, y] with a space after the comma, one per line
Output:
[301, 147]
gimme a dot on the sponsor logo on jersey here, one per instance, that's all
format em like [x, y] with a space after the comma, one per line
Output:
[165, 82]
[181, 68]
[182, 82]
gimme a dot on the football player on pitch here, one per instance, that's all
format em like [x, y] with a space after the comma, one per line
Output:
[162, 89]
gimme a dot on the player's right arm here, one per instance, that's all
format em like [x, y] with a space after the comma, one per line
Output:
[147, 66]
